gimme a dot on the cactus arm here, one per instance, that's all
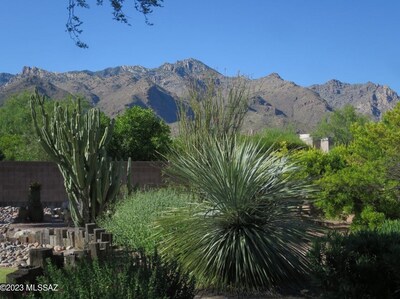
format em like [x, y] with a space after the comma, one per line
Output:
[76, 142]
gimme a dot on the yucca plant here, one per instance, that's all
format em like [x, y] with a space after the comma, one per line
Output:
[245, 232]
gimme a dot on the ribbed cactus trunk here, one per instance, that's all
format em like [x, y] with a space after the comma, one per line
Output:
[77, 143]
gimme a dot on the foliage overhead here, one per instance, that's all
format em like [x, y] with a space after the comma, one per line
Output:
[139, 134]
[74, 23]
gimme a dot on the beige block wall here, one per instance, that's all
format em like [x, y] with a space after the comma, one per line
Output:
[15, 178]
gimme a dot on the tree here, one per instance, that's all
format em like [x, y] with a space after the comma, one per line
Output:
[378, 144]
[74, 23]
[18, 139]
[362, 179]
[337, 125]
[139, 134]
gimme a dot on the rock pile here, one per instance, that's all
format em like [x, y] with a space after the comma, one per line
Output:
[16, 255]
[8, 214]
[13, 253]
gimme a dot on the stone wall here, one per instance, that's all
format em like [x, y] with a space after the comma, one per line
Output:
[15, 178]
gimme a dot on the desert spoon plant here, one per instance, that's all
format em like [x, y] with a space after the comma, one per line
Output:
[76, 141]
[246, 231]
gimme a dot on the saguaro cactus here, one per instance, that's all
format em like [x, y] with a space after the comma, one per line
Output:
[77, 143]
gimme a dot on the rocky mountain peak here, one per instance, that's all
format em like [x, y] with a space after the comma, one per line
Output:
[33, 71]
[389, 92]
[187, 67]
[336, 83]
[124, 69]
[368, 98]
[275, 76]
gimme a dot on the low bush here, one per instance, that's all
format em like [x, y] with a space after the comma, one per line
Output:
[390, 226]
[278, 138]
[121, 275]
[131, 223]
[364, 264]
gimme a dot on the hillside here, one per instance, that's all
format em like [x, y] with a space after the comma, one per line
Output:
[5, 77]
[369, 98]
[275, 101]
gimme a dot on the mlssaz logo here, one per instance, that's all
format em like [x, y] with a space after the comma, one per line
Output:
[42, 287]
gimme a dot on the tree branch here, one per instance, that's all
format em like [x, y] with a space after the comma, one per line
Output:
[74, 23]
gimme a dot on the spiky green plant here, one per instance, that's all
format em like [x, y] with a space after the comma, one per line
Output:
[76, 141]
[245, 232]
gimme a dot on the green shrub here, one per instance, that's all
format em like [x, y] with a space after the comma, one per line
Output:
[318, 163]
[121, 275]
[390, 226]
[349, 187]
[364, 264]
[337, 125]
[278, 138]
[132, 220]
[140, 134]
[18, 139]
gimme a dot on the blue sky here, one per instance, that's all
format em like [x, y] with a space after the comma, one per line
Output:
[305, 41]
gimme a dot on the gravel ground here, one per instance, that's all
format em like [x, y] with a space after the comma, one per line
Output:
[15, 254]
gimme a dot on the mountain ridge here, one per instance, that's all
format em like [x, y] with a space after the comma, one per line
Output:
[275, 101]
[368, 98]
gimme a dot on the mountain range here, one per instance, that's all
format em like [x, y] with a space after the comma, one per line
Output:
[274, 101]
